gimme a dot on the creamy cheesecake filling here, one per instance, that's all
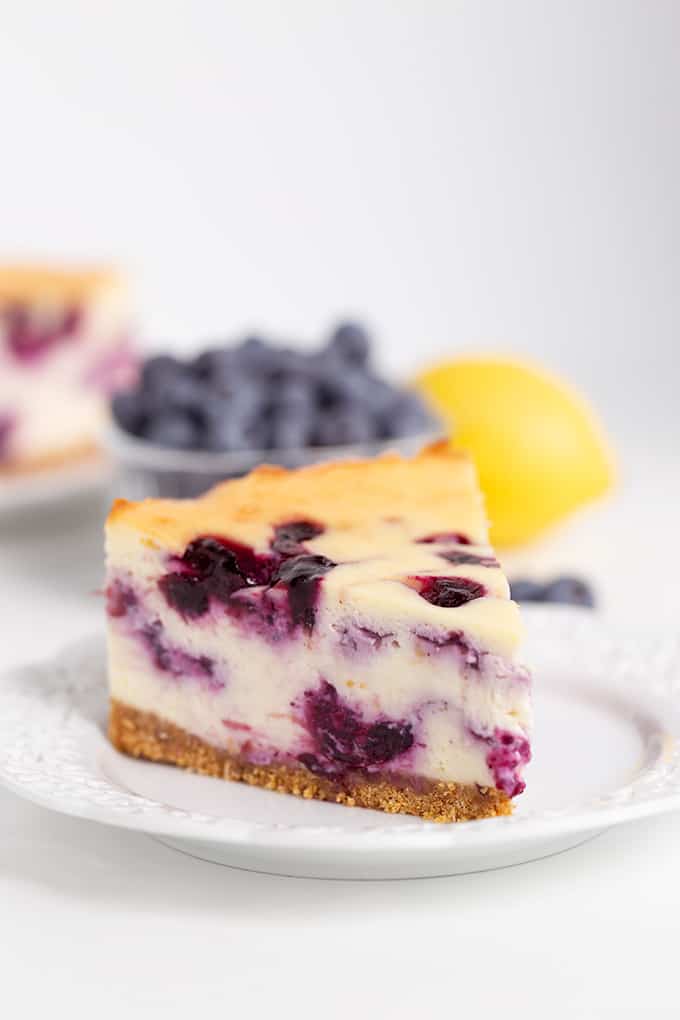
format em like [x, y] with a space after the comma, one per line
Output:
[176, 663]
[338, 699]
[58, 362]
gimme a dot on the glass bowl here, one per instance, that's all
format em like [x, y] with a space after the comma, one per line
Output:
[144, 469]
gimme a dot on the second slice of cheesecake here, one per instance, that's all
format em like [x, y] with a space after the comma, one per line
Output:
[342, 632]
[65, 347]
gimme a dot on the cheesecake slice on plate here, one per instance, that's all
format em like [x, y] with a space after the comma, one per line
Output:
[341, 632]
[65, 345]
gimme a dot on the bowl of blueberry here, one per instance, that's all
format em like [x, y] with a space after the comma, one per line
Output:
[191, 423]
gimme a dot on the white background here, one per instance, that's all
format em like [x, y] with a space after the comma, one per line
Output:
[467, 174]
[488, 173]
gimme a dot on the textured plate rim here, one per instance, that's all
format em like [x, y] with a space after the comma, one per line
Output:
[48, 755]
[54, 485]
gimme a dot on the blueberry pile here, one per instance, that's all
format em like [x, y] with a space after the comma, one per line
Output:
[568, 590]
[258, 396]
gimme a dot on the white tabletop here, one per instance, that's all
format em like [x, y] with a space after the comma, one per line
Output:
[97, 922]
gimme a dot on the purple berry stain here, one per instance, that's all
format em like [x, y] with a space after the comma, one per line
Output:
[452, 639]
[122, 602]
[176, 662]
[212, 567]
[507, 754]
[120, 599]
[453, 537]
[215, 568]
[302, 576]
[449, 592]
[343, 740]
[186, 594]
[460, 558]
[28, 340]
[356, 638]
[230, 564]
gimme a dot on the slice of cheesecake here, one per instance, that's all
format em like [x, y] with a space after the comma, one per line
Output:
[341, 632]
[65, 345]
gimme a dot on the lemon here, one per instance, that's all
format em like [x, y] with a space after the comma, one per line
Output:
[539, 450]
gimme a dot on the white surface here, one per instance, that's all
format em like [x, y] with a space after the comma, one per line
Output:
[615, 701]
[110, 921]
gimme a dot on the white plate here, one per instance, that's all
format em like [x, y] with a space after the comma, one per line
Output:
[19, 493]
[606, 750]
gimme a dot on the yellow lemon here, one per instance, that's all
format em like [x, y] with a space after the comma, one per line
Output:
[538, 448]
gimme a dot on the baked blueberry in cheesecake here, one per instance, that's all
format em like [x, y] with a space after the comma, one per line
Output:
[342, 632]
[64, 346]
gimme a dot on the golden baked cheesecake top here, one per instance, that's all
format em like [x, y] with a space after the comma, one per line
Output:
[425, 494]
[27, 282]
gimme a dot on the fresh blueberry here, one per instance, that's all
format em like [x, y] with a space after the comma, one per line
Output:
[283, 365]
[290, 430]
[524, 590]
[328, 392]
[172, 428]
[350, 344]
[242, 406]
[254, 355]
[323, 367]
[258, 434]
[292, 394]
[248, 400]
[244, 399]
[407, 415]
[160, 372]
[312, 367]
[570, 591]
[222, 434]
[337, 428]
[350, 389]
[215, 365]
[183, 392]
[130, 411]
[257, 396]
[566, 589]
[232, 423]
[379, 395]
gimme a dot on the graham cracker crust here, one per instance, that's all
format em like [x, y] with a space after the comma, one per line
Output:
[145, 735]
[77, 454]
